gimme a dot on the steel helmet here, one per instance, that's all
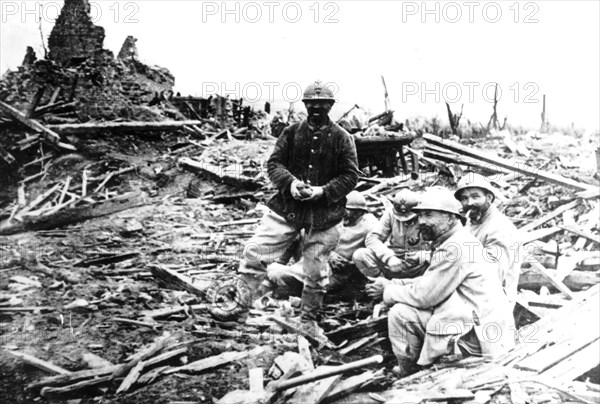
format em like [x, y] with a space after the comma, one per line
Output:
[355, 200]
[474, 180]
[317, 91]
[404, 201]
[440, 199]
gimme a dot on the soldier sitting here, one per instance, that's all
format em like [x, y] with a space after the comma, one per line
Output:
[405, 254]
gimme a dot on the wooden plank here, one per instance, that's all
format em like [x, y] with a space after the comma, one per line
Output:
[169, 311]
[419, 396]
[315, 392]
[304, 350]
[357, 344]
[576, 364]
[7, 157]
[323, 373]
[589, 194]
[549, 216]
[549, 357]
[508, 164]
[319, 341]
[348, 386]
[215, 172]
[447, 157]
[41, 198]
[590, 236]
[215, 361]
[74, 215]
[111, 127]
[27, 308]
[552, 278]
[50, 135]
[539, 234]
[255, 377]
[145, 353]
[50, 392]
[176, 280]
[359, 330]
[106, 260]
[131, 378]
[545, 331]
[38, 363]
[34, 102]
[73, 377]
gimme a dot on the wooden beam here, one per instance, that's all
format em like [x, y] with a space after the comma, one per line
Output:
[50, 135]
[145, 353]
[321, 373]
[315, 392]
[38, 363]
[539, 234]
[74, 215]
[7, 157]
[443, 155]
[553, 355]
[73, 377]
[592, 237]
[348, 386]
[576, 364]
[318, 340]
[84, 128]
[359, 330]
[549, 216]
[215, 172]
[49, 392]
[508, 164]
[175, 280]
[35, 102]
[552, 278]
[214, 361]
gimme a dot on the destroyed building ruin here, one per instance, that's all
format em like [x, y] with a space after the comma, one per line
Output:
[74, 37]
[79, 70]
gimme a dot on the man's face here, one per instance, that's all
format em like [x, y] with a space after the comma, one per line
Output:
[433, 224]
[318, 109]
[352, 216]
[475, 202]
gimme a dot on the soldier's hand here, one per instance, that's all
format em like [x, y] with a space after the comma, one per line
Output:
[376, 288]
[317, 192]
[336, 261]
[415, 258]
[298, 189]
[395, 264]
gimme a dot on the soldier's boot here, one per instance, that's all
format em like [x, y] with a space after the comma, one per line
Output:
[312, 301]
[258, 286]
[405, 367]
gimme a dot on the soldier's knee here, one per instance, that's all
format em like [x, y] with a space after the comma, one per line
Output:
[277, 273]
[360, 255]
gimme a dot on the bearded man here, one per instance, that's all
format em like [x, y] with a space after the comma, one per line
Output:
[496, 232]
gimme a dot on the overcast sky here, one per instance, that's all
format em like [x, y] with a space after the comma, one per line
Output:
[427, 51]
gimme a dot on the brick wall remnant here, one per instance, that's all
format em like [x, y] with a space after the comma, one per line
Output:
[128, 50]
[74, 37]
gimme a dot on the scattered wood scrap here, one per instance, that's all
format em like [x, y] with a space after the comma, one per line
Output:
[507, 164]
[111, 127]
